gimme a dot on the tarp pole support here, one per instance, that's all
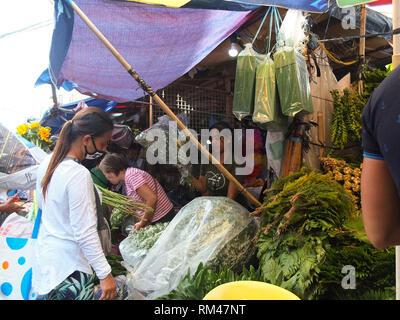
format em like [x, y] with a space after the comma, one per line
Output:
[363, 22]
[395, 64]
[162, 104]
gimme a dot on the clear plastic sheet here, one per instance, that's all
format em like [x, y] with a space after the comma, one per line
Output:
[19, 161]
[136, 245]
[245, 81]
[213, 230]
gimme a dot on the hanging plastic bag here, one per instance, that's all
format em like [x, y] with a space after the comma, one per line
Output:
[291, 70]
[291, 33]
[266, 104]
[216, 231]
[245, 81]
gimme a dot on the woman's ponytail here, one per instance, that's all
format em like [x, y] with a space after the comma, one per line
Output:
[60, 151]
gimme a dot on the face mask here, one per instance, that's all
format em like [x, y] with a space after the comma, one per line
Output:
[93, 155]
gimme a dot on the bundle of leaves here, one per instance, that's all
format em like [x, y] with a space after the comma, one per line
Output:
[374, 270]
[205, 279]
[308, 235]
[348, 105]
[300, 214]
[373, 78]
[346, 119]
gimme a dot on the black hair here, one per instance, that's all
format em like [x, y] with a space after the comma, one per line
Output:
[91, 120]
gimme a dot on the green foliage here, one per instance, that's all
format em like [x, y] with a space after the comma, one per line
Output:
[372, 79]
[346, 119]
[374, 268]
[308, 234]
[205, 279]
[116, 267]
[347, 110]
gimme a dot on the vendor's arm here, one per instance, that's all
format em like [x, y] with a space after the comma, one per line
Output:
[10, 206]
[150, 199]
[380, 204]
[200, 184]
[233, 191]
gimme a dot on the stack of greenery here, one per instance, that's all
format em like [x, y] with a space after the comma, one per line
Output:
[308, 235]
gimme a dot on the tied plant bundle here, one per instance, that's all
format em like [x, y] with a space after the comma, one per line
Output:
[307, 219]
[124, 204]
[300, 214]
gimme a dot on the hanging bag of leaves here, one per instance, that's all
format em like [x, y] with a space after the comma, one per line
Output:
[245, 80]
[266, 104]
[291, 69]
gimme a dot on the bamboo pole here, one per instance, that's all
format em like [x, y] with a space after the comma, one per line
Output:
[155, 97]
[150, 112]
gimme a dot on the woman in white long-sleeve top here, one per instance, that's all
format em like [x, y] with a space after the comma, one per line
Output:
[68, 246]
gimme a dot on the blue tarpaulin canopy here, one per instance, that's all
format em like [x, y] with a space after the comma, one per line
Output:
[160, 52]
[56, 117]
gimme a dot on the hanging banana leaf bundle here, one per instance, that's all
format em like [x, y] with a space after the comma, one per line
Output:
[292, 81]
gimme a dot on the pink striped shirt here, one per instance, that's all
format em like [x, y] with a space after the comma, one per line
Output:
[135, 178]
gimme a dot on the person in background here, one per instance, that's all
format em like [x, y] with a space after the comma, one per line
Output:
[68, 244]
[141, 186]
[212, 182]
[133, 155]
[380, 177]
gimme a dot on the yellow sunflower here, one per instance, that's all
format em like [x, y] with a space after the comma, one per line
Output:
[34, 124]
[22, 129]
[44, 133]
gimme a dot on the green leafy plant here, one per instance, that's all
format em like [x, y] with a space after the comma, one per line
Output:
[346, 119]
[373, 78]
[205, 279]
[347, 110]
[307, 236]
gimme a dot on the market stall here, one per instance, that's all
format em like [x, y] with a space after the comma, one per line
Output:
[304, 220]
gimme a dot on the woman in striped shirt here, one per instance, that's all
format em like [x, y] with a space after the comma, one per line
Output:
[139, 185]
